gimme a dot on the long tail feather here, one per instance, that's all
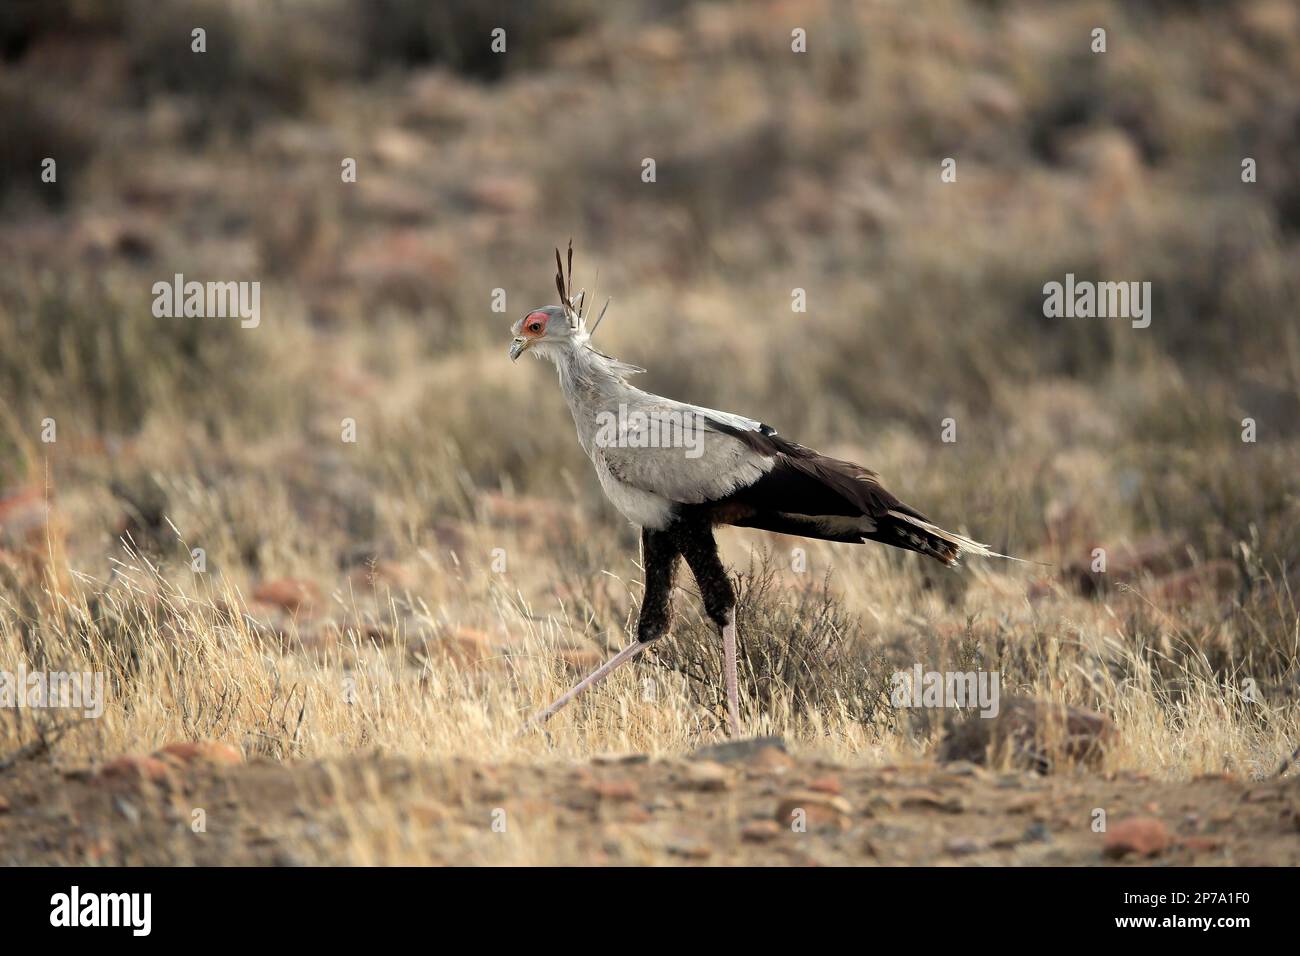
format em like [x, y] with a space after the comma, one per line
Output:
[959, 544]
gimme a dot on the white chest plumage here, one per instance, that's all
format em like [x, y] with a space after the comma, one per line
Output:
[643, 508]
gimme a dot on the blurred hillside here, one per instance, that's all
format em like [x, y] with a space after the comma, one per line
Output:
[775, 171]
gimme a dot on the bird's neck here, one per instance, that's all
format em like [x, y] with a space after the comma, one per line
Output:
[584, 370]
[592, 383]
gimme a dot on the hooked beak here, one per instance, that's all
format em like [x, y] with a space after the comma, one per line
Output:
[518, 347]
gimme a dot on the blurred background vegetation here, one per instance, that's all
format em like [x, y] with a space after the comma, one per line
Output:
[775, 171]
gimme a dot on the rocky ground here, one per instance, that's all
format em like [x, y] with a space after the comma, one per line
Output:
[743, 803]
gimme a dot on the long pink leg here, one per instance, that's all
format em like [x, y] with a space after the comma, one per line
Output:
[595, 677]
[729, 667]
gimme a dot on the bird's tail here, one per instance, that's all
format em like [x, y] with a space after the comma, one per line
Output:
[913, 533]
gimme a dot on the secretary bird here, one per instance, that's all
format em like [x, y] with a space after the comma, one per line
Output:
[739, 472]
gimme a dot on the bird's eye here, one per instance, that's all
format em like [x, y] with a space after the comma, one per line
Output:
[535, 327]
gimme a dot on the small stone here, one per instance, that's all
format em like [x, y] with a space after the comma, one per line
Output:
[931, 800]
[706, 776]
[1141, 836]
[201, 751]
[614, 790]
[690, 848]
[291, 594]
[1201, 844]
[619, 759]
[820, 810]
[134, 768]
[771, 760]
[827, 784]
[732, 751]
[879, 803]
[1026, 804]
[1262, 796]
[1037, 833]
[128, 810]
[636, 814]
[760, 831]
[963, 846]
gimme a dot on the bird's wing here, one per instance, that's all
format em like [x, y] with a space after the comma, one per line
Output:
[813, 495]
[683, 453]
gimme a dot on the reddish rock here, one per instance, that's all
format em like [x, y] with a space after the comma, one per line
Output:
[772, 760]
[1213, 577]
[22, 515]
[821, 811]
[827, 784]
[135, 768]
[1138, 836]
[614, 790]
[706, 775]
[200, 751]
[291, 594]
[760, 831]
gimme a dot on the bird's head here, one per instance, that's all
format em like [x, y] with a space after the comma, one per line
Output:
[545, 330]
[554, 328]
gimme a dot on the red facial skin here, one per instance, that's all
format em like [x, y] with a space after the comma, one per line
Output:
[534, 325]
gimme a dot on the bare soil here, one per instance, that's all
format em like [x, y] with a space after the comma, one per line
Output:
[761, 808]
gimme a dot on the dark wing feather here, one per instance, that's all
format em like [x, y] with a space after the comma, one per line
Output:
[804, 493]
[807, 483]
